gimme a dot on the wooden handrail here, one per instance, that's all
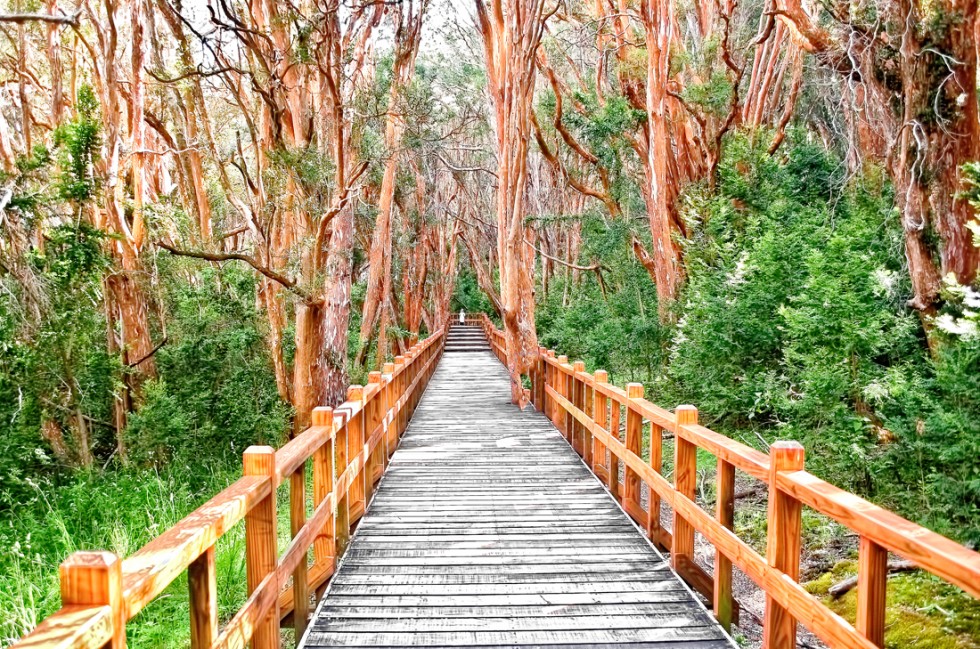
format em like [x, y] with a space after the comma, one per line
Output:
[350, 447]
[562, 390]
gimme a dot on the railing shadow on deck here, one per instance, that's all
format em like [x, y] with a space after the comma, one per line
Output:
[588, 411]
[349, 446]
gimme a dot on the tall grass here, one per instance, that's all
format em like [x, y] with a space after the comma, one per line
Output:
[118, 511]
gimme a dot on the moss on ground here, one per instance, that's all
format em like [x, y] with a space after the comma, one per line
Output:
[923, 611]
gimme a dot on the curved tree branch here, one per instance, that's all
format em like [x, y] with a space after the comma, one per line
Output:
[279, 278]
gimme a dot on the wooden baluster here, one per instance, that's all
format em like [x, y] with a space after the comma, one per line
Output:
[202, 589]
[563, 391]
[588, 401]
[391, 397]
[95, 579]
[341, 461]
[261, 553]
[654, 529]
[615, 417]
[539, 399]
[578, 400]
[355, 450]
[685, 483]
[325, 543]
[725, 514]
[634, 444]
[872, 591]
[553, 409]
[297, 519]
[600, 414]
[374, 412]
[410, 373]
[400, 417]
[782, 543]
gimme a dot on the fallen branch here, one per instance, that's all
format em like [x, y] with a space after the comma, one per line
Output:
[841, 588]
[279, 278]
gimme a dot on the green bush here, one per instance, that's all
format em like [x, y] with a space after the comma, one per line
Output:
[793, 324]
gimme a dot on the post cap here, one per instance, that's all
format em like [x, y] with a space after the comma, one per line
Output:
[686, 414]
[322, 416]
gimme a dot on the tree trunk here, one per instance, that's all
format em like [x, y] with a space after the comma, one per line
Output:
[658, 194]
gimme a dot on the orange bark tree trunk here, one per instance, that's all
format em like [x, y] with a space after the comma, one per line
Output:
[511, 31]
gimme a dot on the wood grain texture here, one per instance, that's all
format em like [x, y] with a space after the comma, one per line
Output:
[260, 545]
[723, 598]
[782, 544]
[488, 530]
[95, 578]
[685, 482]
[203, 590]
[872, 585]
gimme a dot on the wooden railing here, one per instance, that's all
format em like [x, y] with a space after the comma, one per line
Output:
[589, 412]
[350, 447]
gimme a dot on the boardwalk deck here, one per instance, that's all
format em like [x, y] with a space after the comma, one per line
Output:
[488, 531]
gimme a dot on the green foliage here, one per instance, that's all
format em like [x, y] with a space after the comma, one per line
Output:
[118, 511]
[78, 141]
[215, 356]
[793, 324]
[619, 331]
[468, 296]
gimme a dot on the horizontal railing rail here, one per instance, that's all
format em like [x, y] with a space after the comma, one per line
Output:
[589, 412]
[350, 447]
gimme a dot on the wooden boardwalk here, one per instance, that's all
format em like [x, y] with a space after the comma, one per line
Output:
[488, 531]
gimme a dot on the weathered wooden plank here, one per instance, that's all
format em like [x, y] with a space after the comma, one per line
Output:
[588, 637]
[424, 612]
[660, 619]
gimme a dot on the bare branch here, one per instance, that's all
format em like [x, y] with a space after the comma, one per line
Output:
[279, 278]
[71, 19]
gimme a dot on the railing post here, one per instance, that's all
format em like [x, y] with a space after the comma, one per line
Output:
[685, 483]
[551, 378]
[297, 519]
[95, 579]
[553, 409]
[355, 450]
[615, 418]
[391, 402]
[202, 589]
[372, 420]
[342, 457]
[324, 545]
[563, 424]
[588, 403]
[600, 415]
[400, 391]
[725, 514]
[654, 529]
[540, 380]
[261, 553]
[578, 400]
[872, 585]
[410, 375]
[782, 543]
[634, 444]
